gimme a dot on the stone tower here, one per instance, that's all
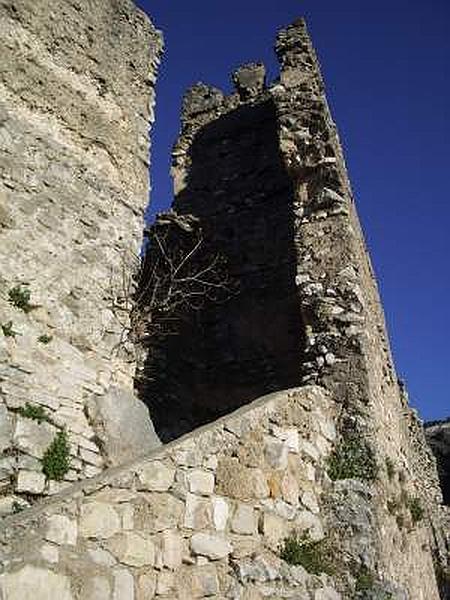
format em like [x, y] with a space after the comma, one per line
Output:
[263, 173]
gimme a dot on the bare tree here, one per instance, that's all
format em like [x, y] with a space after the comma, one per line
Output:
[179, 273]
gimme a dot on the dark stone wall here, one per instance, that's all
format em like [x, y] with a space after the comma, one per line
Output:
[233, 351]
[438, 437]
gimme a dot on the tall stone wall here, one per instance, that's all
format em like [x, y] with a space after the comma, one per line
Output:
[76, 99]
[263, 172]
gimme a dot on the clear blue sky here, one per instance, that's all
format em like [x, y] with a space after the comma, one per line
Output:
[386, 65]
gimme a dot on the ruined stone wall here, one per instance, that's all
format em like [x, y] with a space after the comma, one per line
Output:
[263, 171]
[76, 97]
[203, 517]
[437, 434]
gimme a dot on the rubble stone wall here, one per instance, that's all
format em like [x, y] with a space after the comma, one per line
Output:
[76, 99]
[205, 517]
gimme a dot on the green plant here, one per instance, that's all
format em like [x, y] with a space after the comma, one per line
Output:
[17, 507]
[416, 509]
[32, 411]
[365, 580]
[45, 339]
[19, 296]
[56, 460]
[310, 554]
[393, 506]
[8, 330]
[352, 459]
[390, 468]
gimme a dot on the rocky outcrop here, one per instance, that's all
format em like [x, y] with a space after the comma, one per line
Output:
[76, 99]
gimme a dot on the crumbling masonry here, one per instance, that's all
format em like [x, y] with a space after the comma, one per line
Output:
[322, 443]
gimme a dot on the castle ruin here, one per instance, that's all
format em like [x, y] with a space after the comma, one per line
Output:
[293, 423]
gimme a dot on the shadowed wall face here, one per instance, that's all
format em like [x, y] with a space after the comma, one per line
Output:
[230, 353]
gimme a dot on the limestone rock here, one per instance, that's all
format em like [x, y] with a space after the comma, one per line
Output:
[133, 549]
[172, 549]
[98, 520]
[123, 585]
[123, 424]
[244, 520]
[30, 482]
[212, 546]
[32, 437]
[61, 530]
[155, 476]
[35, 583]
[201, 482]
[5, 428]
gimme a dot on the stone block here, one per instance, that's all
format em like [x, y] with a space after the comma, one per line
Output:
[242, 483]
[35, 583]
[276, 453]
[210, 545]
[155, 476]
[327, 593]
[244, 520]
[274, 529]
[95, 588]
[98, 520]
[146, 585]
[32, 437]
[133, 549]
[201, 482]
[172, 549]
[205, 582]
[198, 512]
[6, 429]
[220, 513]
[165, 583]
[30, 482]
[61, 530]
[123, 424]
[49, 553]
[123, 585]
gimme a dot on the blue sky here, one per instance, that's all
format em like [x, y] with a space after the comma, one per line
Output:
[386, 66]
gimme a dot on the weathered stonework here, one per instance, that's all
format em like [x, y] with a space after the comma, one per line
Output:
[262, 171]
[334, 455]
[437, 434]
[76, 98]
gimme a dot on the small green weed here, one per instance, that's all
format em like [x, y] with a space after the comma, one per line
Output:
[352, 459]
[45, 339]
[365, 580]
[416, 509]
[312, 555]
[390, 468]
[33, 411]
[8, 330]
[17, 507]
[19, 296]
[393, 506]
[56, 460]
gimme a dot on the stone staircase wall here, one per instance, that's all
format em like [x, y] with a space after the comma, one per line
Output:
[202, 517]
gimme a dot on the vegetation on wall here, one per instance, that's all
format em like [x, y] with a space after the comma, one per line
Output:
[56, 460]
[33, 411]
[20, 296]
[352, 458]
[311, 554]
